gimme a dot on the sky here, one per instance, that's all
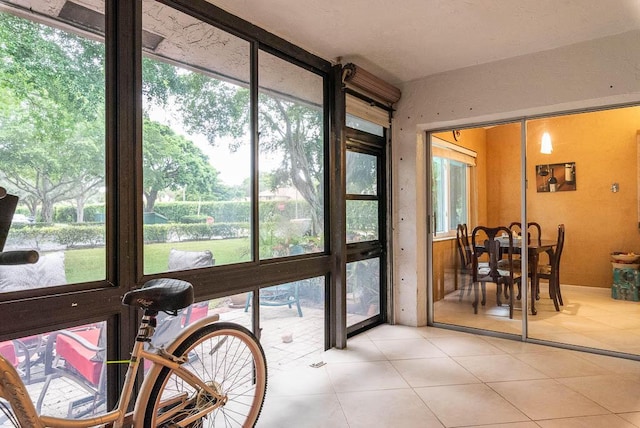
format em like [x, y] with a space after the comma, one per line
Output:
[233, 166]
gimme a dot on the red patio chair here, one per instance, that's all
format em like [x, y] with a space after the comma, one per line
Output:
[8, 351]
[78, 355]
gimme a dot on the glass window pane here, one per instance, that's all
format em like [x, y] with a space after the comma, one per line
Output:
[439, 193]
[364, 125]
[363, 290]
[474, 195]
[362, 174]
[291, 162]
[292, 318]
[458, 194]
[450, 194]
[362, 221]
[196, 144]
[80, 384]
[52, 150]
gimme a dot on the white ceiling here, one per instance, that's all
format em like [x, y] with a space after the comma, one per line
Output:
[404, 40]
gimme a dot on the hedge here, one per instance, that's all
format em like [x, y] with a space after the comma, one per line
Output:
[187, 221]
[92, 235]
[193, 212]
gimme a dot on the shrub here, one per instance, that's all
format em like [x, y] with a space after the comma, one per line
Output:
[79, 235]
[191, 219]
[67, 214]
[31, 235]
[93, 234]
[156, 233]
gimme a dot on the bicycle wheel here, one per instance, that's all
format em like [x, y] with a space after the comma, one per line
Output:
[224, 355]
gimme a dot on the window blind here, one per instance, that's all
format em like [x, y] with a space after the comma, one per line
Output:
[444, 149]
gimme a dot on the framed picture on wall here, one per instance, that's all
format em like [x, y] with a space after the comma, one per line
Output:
[556, 177]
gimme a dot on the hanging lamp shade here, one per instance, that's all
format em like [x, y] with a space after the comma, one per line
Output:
[545, 146]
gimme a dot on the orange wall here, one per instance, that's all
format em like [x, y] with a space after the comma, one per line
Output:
[604, 147]
[503, 172]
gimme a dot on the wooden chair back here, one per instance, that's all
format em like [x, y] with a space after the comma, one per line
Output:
[485, 240]
[555, 262]
[532, 226]
[464, 247]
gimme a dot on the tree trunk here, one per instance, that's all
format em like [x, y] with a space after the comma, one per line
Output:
[80, 202]
[151, 197]
[47, 211]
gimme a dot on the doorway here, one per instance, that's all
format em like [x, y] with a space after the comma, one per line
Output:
[366, 235]
[583, 176]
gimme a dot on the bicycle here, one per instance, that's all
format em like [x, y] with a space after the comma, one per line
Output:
[212, 374]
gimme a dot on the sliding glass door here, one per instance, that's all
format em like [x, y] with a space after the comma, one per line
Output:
[465, 192]
[589, 183]
[580, 175]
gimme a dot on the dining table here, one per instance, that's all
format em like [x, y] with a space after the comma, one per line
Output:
[535, 247]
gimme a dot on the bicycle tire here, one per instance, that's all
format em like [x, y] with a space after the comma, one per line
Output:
[223, 354]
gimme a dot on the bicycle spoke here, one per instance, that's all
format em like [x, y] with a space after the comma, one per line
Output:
[226, 362]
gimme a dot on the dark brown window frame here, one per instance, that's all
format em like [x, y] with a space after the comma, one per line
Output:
[22, 314]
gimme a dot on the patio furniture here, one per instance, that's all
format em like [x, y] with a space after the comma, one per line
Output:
[77, 355]
[182, 260]
[280, 295]
[48, 271]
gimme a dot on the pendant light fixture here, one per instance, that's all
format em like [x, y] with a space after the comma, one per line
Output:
[545, 146]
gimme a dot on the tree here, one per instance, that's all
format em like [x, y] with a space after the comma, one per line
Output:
[173, 162]
[292, 129]
[296, 131]
[52, 120]
[52, 124]
[362, 170]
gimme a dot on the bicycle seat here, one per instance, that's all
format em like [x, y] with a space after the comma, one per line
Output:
[161, 294]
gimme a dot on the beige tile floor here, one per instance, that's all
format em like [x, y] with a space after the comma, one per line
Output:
[589, 318]
[397, 376]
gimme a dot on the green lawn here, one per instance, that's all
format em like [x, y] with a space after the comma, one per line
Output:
[84, 265]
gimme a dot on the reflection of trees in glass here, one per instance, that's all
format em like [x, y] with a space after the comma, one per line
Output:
[361, 174]
[363, 283]
[51, 114]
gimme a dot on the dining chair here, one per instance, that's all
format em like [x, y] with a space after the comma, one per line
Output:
[485, 241]
[532, 226]
[465, 258]
[551, 271]
[534, 231]
[464, 254]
